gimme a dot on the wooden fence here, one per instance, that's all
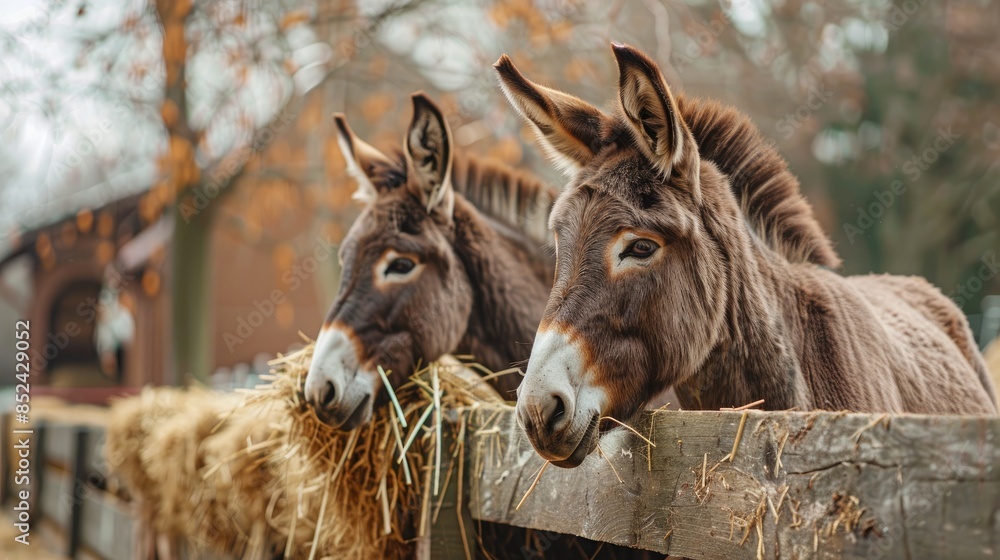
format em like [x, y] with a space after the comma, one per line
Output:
[755, 484]
[72, 511]
[727, 485]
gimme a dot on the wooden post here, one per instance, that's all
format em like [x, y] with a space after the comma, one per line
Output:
[37, 466]
[800, 485]
[78, 485]
[6, 428]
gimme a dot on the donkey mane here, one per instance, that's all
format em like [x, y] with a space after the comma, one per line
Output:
[512, 197]
[767, 191]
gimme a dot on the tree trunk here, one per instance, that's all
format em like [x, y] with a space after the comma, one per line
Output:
[192, 306]
[191, 315]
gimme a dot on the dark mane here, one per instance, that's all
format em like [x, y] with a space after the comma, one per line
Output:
[510, 196]
[768, 192]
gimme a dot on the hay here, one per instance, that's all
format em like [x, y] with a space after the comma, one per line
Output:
[131, 423]
[261, 475]
[177, 490]
[229, 499]
[307, 452]
[844, 513]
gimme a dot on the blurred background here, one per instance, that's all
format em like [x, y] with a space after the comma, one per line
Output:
[172, 194]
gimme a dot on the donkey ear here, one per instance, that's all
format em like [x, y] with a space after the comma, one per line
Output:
[569, 130]
[651, 109]
[362, 159]
[427, 147]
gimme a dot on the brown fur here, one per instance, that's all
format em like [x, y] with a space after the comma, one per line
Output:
[766, 189]
[486, 270]
[759, 177]
[734, 308]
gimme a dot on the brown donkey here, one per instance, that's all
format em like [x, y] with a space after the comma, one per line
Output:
[671, 273]
[448, 255]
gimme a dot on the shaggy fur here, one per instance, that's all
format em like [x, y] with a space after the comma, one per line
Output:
[759, 177]
[733, 305]
[766, 189]
[477, 228]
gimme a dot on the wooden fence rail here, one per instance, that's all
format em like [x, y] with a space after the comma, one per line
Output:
[69, 504]
[800, 485]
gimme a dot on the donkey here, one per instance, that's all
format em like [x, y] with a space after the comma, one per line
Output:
[449, 254]
[670, 273]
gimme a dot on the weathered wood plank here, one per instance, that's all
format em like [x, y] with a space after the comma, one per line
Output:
[55, 497]
[452, 533]
[106, 523]
[108, 526]
[60, 443]
[813, 485]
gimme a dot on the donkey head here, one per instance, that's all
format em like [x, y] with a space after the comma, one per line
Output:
[403, 292]
[635, 302]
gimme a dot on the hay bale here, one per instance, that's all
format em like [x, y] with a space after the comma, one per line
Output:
[172, 456]
[262, 475]
[130, 423]
[229, 516]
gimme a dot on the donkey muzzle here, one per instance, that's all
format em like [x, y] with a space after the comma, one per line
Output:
[558, 410]
[336, 387]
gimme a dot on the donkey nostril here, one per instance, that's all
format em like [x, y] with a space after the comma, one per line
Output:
[329, 395]
[558, 412]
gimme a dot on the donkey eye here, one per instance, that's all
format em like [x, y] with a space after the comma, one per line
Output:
[401, 265]
[640, 249]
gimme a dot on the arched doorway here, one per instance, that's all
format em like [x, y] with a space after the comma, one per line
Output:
[70, 351]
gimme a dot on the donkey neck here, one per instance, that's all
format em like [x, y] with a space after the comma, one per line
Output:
[753, 356]
[510, 285]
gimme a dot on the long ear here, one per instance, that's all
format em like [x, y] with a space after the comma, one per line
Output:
[428, 157]
[569, 130]
[657, 125]
[362, 159]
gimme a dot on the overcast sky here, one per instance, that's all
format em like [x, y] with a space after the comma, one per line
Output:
[56, 137]
[65, 148]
